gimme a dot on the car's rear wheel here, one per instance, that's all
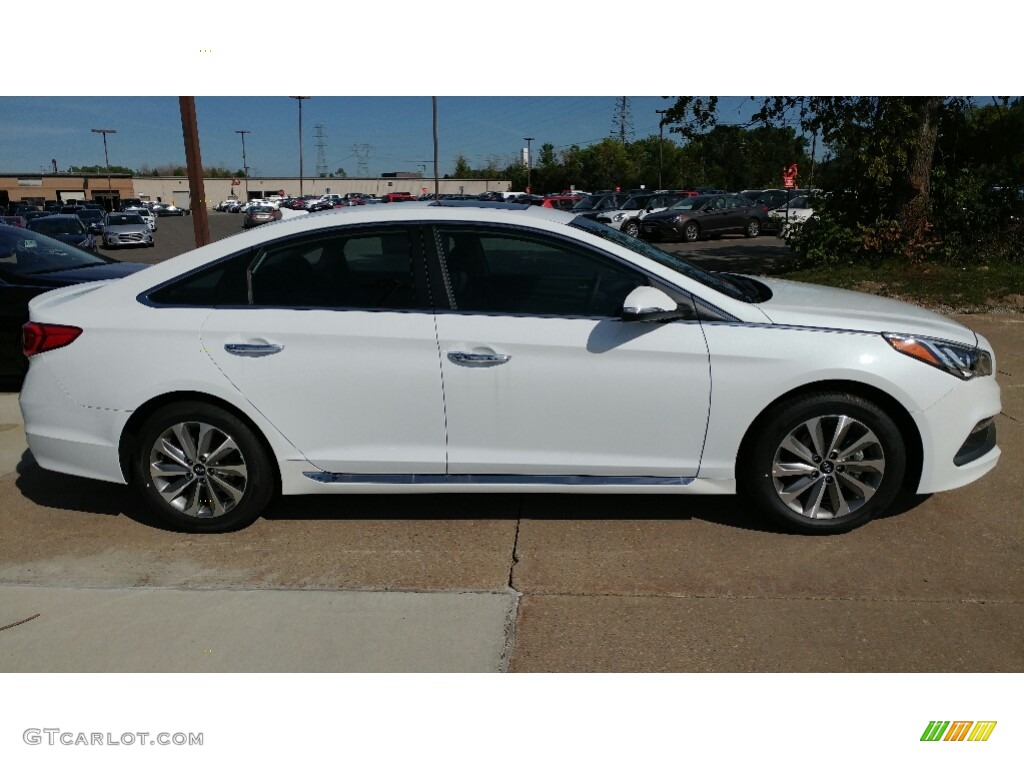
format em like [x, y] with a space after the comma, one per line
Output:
[753, 228]
[631, 228]
[691, 232]
[825, 463]
[202, 469]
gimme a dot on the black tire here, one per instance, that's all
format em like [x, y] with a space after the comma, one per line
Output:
[753, 228]
[808, 488]
[222, 486]
[631, 228]
[691, 232]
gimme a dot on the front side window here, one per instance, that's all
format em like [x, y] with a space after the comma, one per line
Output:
[511, 272]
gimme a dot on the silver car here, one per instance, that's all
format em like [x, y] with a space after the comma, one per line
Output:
[147, 216]
[126, 228]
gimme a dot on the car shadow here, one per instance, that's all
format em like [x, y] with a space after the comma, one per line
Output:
[95, 497]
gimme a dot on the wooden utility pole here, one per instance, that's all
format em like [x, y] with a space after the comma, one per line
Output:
[194, 163]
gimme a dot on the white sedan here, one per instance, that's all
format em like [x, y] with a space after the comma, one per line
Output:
[464, 348]
[798, 211]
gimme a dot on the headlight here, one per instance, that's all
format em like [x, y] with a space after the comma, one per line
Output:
[618, 217]
[678, 219]
[962, 361]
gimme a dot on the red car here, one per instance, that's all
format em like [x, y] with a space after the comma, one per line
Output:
[14, 221]
[562, 202]
[397, 197]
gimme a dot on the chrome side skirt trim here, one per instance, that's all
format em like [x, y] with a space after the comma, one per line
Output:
[511, 480]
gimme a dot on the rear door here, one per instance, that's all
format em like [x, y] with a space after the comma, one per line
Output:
[337, 348]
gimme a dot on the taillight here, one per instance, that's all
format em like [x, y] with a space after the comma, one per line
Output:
[42, 337]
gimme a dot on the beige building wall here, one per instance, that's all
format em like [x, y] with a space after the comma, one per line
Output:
[65, 187]
[176, 189]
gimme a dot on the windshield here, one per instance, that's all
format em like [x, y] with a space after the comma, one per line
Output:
[53, 225]
[118, 219]
[24, 252]
[689, 203]
[636, 203]
[734, 287]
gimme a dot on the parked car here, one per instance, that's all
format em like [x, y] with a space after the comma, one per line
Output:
[34, 214]
[398, 197]
[147, 216]
[693, 218]
[561, 202]
[627, 218]
[260, 214]
[93, 220]
[126, 229]
[798, 211]
[14, 221]
[223, 205]
[67, 228]
[168, 209]
[31, 263]
[455, 347]
[593, 205]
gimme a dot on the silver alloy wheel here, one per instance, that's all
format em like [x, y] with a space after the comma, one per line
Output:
[828, 467]
[691, 232]
[753, 228]
[198, 469]
[631, 228]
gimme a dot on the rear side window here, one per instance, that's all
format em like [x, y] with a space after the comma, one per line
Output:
[350, 270]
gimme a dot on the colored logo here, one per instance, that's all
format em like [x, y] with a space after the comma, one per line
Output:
[958, 730]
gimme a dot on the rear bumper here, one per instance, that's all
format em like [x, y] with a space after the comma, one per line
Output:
[65, 436]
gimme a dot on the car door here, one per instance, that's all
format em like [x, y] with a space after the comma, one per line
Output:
[336, 347]
[542, 378]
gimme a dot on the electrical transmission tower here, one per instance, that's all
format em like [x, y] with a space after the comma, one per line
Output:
[320, 133]
[362, 153]
[622, 121]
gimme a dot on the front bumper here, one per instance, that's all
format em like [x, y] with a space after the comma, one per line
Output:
[958, 437]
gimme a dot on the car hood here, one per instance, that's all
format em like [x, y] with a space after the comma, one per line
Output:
[122, 229]
[86, 274]
[819, 306]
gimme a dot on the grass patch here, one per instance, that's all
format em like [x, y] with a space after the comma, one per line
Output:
[948, 289]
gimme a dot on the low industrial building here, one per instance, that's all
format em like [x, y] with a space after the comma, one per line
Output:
[41, 188]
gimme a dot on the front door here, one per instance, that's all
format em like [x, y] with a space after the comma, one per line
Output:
[542, 378]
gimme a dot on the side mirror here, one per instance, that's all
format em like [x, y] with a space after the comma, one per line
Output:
[650, 305]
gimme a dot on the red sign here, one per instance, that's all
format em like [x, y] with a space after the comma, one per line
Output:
[235, 182]
[280, 192]
[789, 176]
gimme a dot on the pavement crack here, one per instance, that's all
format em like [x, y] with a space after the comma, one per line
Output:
[515, 547]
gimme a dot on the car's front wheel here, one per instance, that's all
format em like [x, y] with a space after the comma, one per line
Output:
[631, 228]
[825, 463]
[202, 469]
[691, 232]
[753, 228]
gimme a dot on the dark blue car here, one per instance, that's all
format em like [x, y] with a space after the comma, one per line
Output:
[31, 264]
[67, 228]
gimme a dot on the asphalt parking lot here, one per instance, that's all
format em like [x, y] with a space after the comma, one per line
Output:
[513, 583]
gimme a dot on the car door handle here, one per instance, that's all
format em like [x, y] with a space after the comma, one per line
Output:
[480, 359]
[253, 350]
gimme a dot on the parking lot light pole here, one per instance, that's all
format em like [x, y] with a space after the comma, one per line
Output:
[529, 163]
[661, 141]
[300, 99]
[106, 159]
[245, 166]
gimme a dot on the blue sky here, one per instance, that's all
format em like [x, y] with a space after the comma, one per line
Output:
[397, 130]
[500, 74]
